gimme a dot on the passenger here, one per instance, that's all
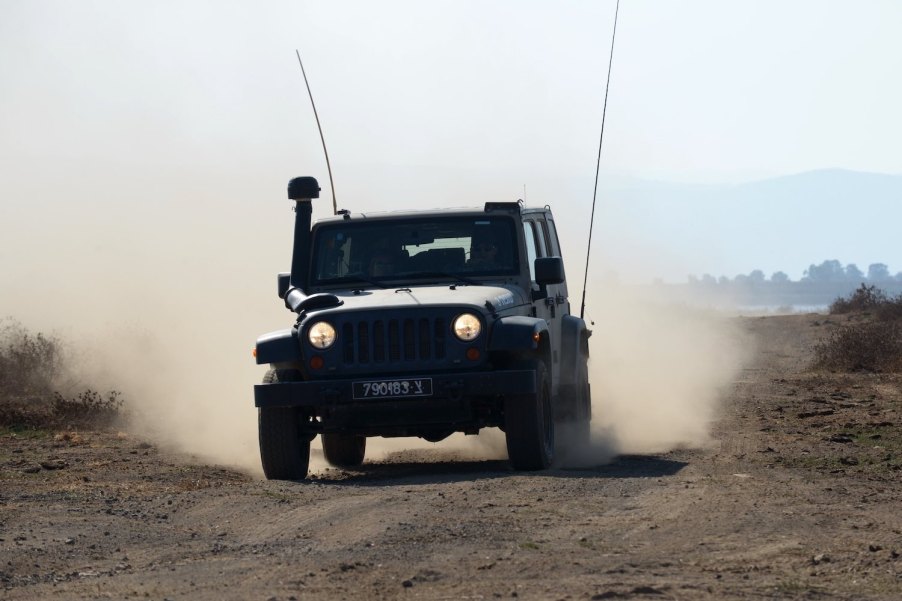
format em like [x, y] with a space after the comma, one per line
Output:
[483, 254]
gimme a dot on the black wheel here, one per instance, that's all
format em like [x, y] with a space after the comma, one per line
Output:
[284, 448]
[529, 425]
[344, 450]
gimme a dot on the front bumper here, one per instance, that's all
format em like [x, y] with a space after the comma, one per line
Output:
[454, 387]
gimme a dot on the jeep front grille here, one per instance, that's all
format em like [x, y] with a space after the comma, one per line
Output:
[374, 341]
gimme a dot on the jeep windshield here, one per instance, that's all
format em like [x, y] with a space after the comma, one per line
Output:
[435, 248]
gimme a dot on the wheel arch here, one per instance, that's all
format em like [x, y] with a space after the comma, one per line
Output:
[574, 348]
[280, 348]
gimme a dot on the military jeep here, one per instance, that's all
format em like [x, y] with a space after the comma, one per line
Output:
[422, 324]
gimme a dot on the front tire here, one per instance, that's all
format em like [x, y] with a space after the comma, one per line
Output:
[344, 450]
[284, 448]
[529, 425]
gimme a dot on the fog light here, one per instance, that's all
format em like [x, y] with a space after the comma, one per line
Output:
[317, 362]
[473, 354]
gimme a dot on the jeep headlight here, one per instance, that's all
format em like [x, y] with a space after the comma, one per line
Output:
[467, 327]
[321, 335]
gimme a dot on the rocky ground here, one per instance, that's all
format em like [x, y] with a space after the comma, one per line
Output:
[799, 499]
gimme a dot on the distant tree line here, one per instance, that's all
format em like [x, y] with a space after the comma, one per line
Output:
[820, 285]
[828, 272]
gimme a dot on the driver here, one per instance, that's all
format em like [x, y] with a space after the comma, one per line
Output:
[381, 265]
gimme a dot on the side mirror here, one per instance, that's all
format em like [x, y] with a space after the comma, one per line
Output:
[549, 270]
[283, 283]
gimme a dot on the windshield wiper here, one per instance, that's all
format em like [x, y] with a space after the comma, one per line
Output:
[442, 274]
[350, 279]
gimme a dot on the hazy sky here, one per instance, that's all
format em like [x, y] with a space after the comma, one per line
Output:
[176, 110]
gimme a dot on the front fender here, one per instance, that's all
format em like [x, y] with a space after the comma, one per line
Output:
[278, 347]
[517, 333]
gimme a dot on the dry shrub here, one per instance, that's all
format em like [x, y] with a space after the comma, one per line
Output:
[890, 310]
[87, 409]
[871, 343]
[865, 298]
[29, 363]
[31, 366]
[864, 346]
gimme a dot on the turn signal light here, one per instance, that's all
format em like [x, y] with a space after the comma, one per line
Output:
[317, 362]
[473, 354]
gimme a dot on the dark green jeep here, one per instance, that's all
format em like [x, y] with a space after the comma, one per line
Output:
[422, 324]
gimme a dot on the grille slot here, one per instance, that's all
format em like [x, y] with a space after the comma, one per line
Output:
[409, 341]
[439, 338]
[363, 342]
[347, 346]
[379, 341]
[394, 342]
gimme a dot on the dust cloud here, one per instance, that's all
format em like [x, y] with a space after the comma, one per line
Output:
[659, 372]
[162, 289]
[159, 283]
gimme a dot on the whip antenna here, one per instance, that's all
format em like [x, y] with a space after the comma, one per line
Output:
[582, 309]
[321, 137]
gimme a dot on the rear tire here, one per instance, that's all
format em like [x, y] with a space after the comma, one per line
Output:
[284, 448]
[529, 425]
[584, 398]
[577, 424]
[344, 450]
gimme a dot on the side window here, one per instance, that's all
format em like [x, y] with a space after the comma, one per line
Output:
[530, 237]
[553, 243]
[543, 246]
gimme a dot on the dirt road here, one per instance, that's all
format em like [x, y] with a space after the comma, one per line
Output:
[799, 498]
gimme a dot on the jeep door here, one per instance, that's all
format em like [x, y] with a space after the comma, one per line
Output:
[554, 305]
